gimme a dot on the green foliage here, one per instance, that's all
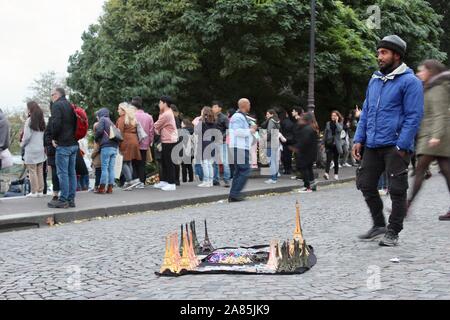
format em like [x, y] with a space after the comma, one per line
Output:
[200, 50]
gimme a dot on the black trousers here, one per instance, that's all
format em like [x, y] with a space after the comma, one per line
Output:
[286, 159]
[332, 155]
[374, 163]
[55, 180]
[98, 176]
[187, 172]
[308, 175]
[139, 167]
[168, 167]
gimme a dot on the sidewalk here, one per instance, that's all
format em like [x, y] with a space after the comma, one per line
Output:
[19, 213]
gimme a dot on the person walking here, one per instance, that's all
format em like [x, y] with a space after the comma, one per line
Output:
[146, 122]
[33, 145]
[108, 150]
[305, 146]
[129, 147]
[166, 127]
[389, 121]
[64, 123]
[241, 132]
[272, 125]
[222, 123]
[333, 143]
[434, 136]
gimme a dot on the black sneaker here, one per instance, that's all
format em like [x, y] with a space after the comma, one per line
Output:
[235, 199]
[227, 184]
[58, 204]
[390, 239]
[72, 204]
[216, 184]
[373, 234]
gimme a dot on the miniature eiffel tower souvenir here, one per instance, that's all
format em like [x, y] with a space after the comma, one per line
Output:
[298, 234]
[196, 244]
[185, 262]
[272, 263]
[206, 246]
[167, 263]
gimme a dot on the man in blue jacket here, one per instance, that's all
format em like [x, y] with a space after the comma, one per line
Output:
[390, 119]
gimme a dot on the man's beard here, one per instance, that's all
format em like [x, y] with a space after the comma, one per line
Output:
[388, 68]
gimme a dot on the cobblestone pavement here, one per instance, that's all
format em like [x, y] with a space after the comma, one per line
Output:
[116, 258]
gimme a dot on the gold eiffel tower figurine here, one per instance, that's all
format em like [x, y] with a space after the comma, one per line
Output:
[176, 258]
[272, 263]
[298, 234]
[168, 257]
[185, 263]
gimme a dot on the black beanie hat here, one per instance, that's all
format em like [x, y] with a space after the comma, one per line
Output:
[394, 43]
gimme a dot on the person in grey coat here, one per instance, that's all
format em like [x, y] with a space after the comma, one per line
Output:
[333, 143]
[433, 141]
[34, 151]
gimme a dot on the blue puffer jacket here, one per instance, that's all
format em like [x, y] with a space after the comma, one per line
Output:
[393, 110]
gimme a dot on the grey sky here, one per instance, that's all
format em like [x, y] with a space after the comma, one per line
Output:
[38, 36]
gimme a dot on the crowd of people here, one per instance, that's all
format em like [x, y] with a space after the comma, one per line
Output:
[379, 139]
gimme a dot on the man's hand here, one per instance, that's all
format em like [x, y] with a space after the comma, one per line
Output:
[434, 142]
[253, 129]
[357, 112]
[402, 153]
[55, 145]
[356, 151]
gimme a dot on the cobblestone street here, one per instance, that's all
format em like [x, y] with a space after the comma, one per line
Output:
[116, 258]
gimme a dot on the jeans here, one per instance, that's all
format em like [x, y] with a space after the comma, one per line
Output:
[83, 182]
[208, 171]
[274, 163]
[226, 166]
[374, 163]
[65, 167]
[127, 170]
[241, 160]
[199, 171]
[108, 158]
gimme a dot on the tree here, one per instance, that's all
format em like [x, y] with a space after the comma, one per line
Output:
[42, 87]
[200, 50]
[442, 7]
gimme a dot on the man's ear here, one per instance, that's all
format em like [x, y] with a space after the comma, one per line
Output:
[397, 57]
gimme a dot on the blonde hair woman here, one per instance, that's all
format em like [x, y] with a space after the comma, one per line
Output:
[129, 147]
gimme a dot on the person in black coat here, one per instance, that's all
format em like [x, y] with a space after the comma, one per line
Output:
[287, 130]
[51, 152]
[305, 147]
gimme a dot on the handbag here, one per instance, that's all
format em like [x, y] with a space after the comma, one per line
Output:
[142, 135]
[6, 159]
[115, 134]
[118, 166]
[149, 155]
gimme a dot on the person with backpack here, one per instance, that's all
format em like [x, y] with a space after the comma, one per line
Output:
[64, 127]
[272, 125]
[34, 151]
[108, 151]
[333, 143]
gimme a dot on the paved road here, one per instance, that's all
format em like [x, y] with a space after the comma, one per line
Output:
[116, 258]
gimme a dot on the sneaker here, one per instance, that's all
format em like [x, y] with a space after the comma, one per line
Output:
[296, 178]
[326, 176]
[383, 192]
[169, 187]
[41, 195]
[347, 165]
[390, 239]
[231, 199]
[72, 204]
[305, 190]
[445, 217]
[373, 234]
[32, 195]
[58, 204]
[140, 186]
[336, 177]
[270, 181]
[227, 184]
[206, 185]
[216, 184]
[160, 185]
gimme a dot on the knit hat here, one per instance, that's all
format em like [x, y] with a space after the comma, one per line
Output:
[394, 43]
